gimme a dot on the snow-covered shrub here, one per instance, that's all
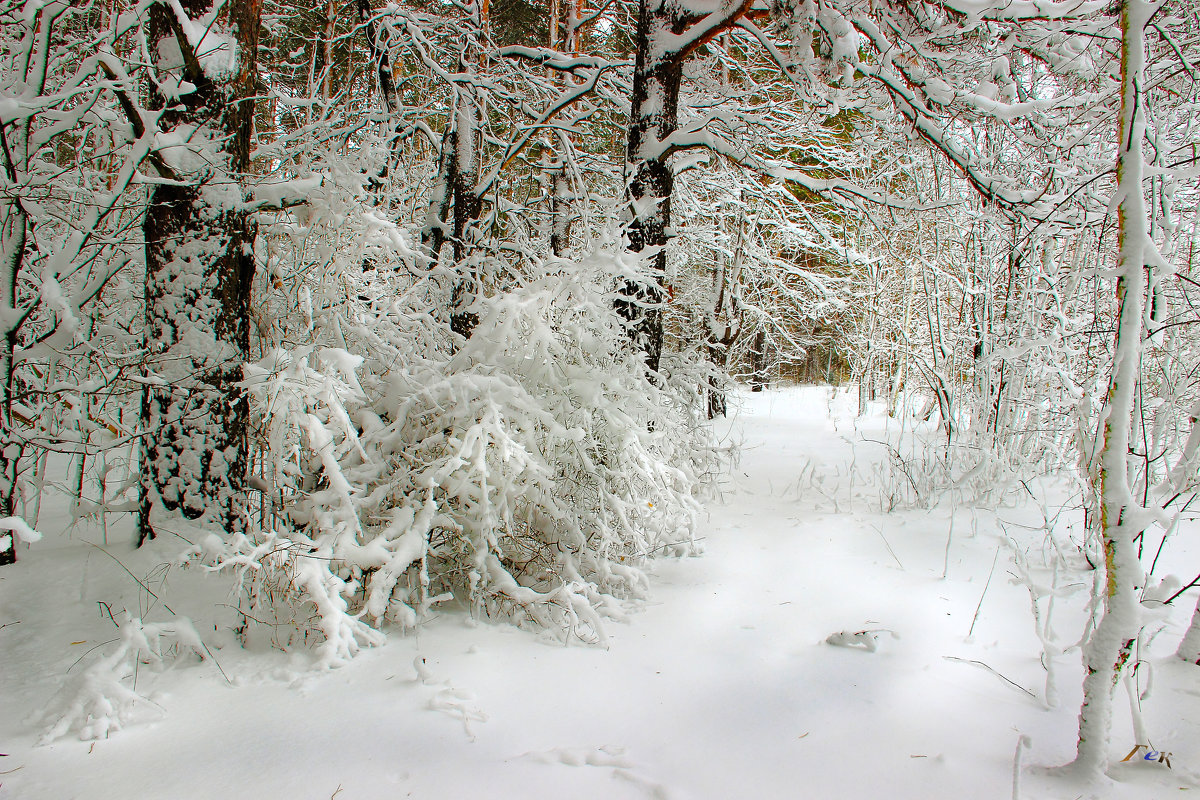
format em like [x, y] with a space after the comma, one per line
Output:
[98, 702]
[923, 470]
[1189, 647]
[978, 465]
[529, 473]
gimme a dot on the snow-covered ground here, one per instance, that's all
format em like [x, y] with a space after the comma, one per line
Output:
[723, 686]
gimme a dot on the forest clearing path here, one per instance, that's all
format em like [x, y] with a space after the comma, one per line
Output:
[722, 687]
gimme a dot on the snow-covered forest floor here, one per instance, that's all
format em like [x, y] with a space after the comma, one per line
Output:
[724, 686]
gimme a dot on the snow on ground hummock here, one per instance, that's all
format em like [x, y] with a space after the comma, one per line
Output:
[722, 686]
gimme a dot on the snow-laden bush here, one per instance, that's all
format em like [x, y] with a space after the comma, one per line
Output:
[97, 702]
[529, 473]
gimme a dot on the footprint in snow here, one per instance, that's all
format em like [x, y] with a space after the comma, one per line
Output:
[612, 756]
[459, 704]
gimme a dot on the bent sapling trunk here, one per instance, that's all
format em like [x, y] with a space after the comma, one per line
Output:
[1110, 646]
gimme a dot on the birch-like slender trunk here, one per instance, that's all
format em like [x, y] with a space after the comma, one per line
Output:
[465, 211]
[1109, 648]
[561, 199]
[724, 324]
[560, 204]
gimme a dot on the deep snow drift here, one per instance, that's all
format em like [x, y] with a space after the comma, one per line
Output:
[725, 686]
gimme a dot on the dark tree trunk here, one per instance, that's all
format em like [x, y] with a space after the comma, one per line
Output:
[725, 325]
[14, 225]
[717, 402]
[466, 208]
[654, 116]
[454, 206]
[759, 377]
[718, 345]
[433, 235]
[560, 209]
[199, 271]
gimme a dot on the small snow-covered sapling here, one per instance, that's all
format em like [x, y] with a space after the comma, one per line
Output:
[866, 639]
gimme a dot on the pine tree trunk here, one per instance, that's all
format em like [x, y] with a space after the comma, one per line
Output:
[199, 270]
[1110, 646]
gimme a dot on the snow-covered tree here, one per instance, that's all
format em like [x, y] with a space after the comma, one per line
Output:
[200, 259]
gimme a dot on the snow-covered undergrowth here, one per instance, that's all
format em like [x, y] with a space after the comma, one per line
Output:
[980, 463]
[98, 702]
[528, 471]
[962, 625]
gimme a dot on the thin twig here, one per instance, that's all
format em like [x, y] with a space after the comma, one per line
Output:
[993, 671]
[888, 546]
[985, 588]
[82, 657]
[215, 662]
[135, 577]
[949, 538]
[1192, 584]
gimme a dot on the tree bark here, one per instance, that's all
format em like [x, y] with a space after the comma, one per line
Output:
[13, 230]
[560, 207]
[465, 208]
[759, 377]
[654, 116]
[666, 35]
[1110, 647]
[199, 270]
[454, 205]
[724, 325]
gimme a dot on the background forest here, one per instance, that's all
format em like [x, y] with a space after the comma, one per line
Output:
[382, 306]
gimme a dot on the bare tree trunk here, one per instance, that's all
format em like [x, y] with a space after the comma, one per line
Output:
[454, 202]
[199, 270]
[759, 377]
[13, 228]
[465, 209]
[724, 326]
[559, 189]
[1110, 646]
[653, 117]
[560, 207]
[331, 9]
